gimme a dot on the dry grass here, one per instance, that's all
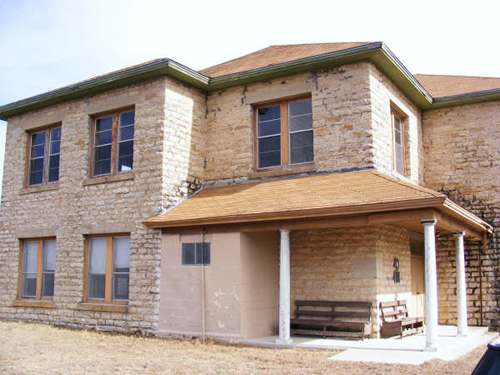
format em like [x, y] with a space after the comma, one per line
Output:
[38, 349]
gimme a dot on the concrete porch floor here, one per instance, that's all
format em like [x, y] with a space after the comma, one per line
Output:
[409, 350]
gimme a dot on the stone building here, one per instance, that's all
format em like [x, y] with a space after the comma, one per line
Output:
[167, 201]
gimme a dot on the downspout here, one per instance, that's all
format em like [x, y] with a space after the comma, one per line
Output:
[203, 288]
[484, 248]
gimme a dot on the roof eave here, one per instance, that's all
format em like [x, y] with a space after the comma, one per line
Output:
[157, 68]
[467, 98]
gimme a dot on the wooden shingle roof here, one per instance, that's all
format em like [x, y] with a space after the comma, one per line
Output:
[273, 55]
[296, 197]
[446, 85]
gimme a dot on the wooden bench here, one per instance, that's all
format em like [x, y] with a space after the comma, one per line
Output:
[395, 320]
[347, 319]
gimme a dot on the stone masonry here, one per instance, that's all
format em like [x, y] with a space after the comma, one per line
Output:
[462, 159]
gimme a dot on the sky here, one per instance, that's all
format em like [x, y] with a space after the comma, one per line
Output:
[48, 44]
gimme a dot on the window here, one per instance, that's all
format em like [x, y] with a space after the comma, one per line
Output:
[44, 154]
[285, 133]
[399, 141]
[113, 146]
[107, 264]
[38, 264]
[196, 253]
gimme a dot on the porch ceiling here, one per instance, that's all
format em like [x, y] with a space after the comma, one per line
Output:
[325, 200]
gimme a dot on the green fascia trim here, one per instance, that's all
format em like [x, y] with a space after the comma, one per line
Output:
[469, 98]
[377, 53]
[150, 70]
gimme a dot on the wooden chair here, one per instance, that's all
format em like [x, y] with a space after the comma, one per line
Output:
[395, 320]
[347, 319]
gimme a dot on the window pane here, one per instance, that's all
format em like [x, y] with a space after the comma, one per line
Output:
[399, 159]
[126, 133]
[102, 167]
[120, 286]
[54, 168]
[96, 286]
[103, 124]
[269, 151]
[269, 144]
[36, 178]
[37, 151]
[299, 107]
[103, 138]
[269, 128]
[120, 254]
[29, 285]
[126, 148]
[302, 122]
[125, 163]
[97, 267]
[203, 253]
[30, 266]
[127, 118]
[97, 255]
[301, 147]
[55, 147]
[30, 256]
[268, 113]
[49, 255]
[397, 138]
[38, 138]
[188, 253]
[125, 156]
[36, 165]
[102, 161]
[48, 284]
[55, 134]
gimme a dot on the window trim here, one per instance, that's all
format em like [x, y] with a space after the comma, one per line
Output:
[46, 162]
[108, 283]
[403, 118]
[115, 116]
[39, 271]
[285, 148]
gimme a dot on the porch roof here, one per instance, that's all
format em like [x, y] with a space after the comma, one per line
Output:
[324, 196]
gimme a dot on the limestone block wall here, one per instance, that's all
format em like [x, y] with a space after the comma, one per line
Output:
[353, 264]
[79, 206]
[341, 122]
[462, 159]
[384, 94]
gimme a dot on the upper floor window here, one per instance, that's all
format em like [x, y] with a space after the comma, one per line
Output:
[38, 264]
[113, 146]
[399, 143]
[44, 152]
[285, 133]
[196, 253]
[107, 268]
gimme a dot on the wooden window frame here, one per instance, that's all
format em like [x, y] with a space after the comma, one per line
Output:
[108, 289]
[47, 153]
[403, 119]
[285, 148]
[115, 116]
[39, 271]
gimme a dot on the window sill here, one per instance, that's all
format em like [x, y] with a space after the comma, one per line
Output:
[107, 179]
[38, 189]
[284, 169]
[34, 304]
[102, 307]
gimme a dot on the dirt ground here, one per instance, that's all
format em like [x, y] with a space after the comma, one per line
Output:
[39, 349]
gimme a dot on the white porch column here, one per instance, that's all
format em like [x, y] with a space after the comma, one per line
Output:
[431, 300]
[284, 323]
[461, 287]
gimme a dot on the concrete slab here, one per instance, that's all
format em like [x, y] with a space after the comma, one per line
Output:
[409, 350]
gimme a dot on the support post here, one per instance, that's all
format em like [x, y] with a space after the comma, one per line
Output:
[431, 300]
[284, 318]
[461, 287]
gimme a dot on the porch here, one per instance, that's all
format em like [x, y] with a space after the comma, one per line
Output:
[409, 350]
[234, 217]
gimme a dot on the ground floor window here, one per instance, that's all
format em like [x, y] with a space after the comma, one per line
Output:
[38, 265]
[107, 268]
[196, 253]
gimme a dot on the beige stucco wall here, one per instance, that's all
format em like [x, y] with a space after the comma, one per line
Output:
[462, 159]
[239, 290]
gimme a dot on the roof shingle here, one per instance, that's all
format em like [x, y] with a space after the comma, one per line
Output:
[447, 85]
